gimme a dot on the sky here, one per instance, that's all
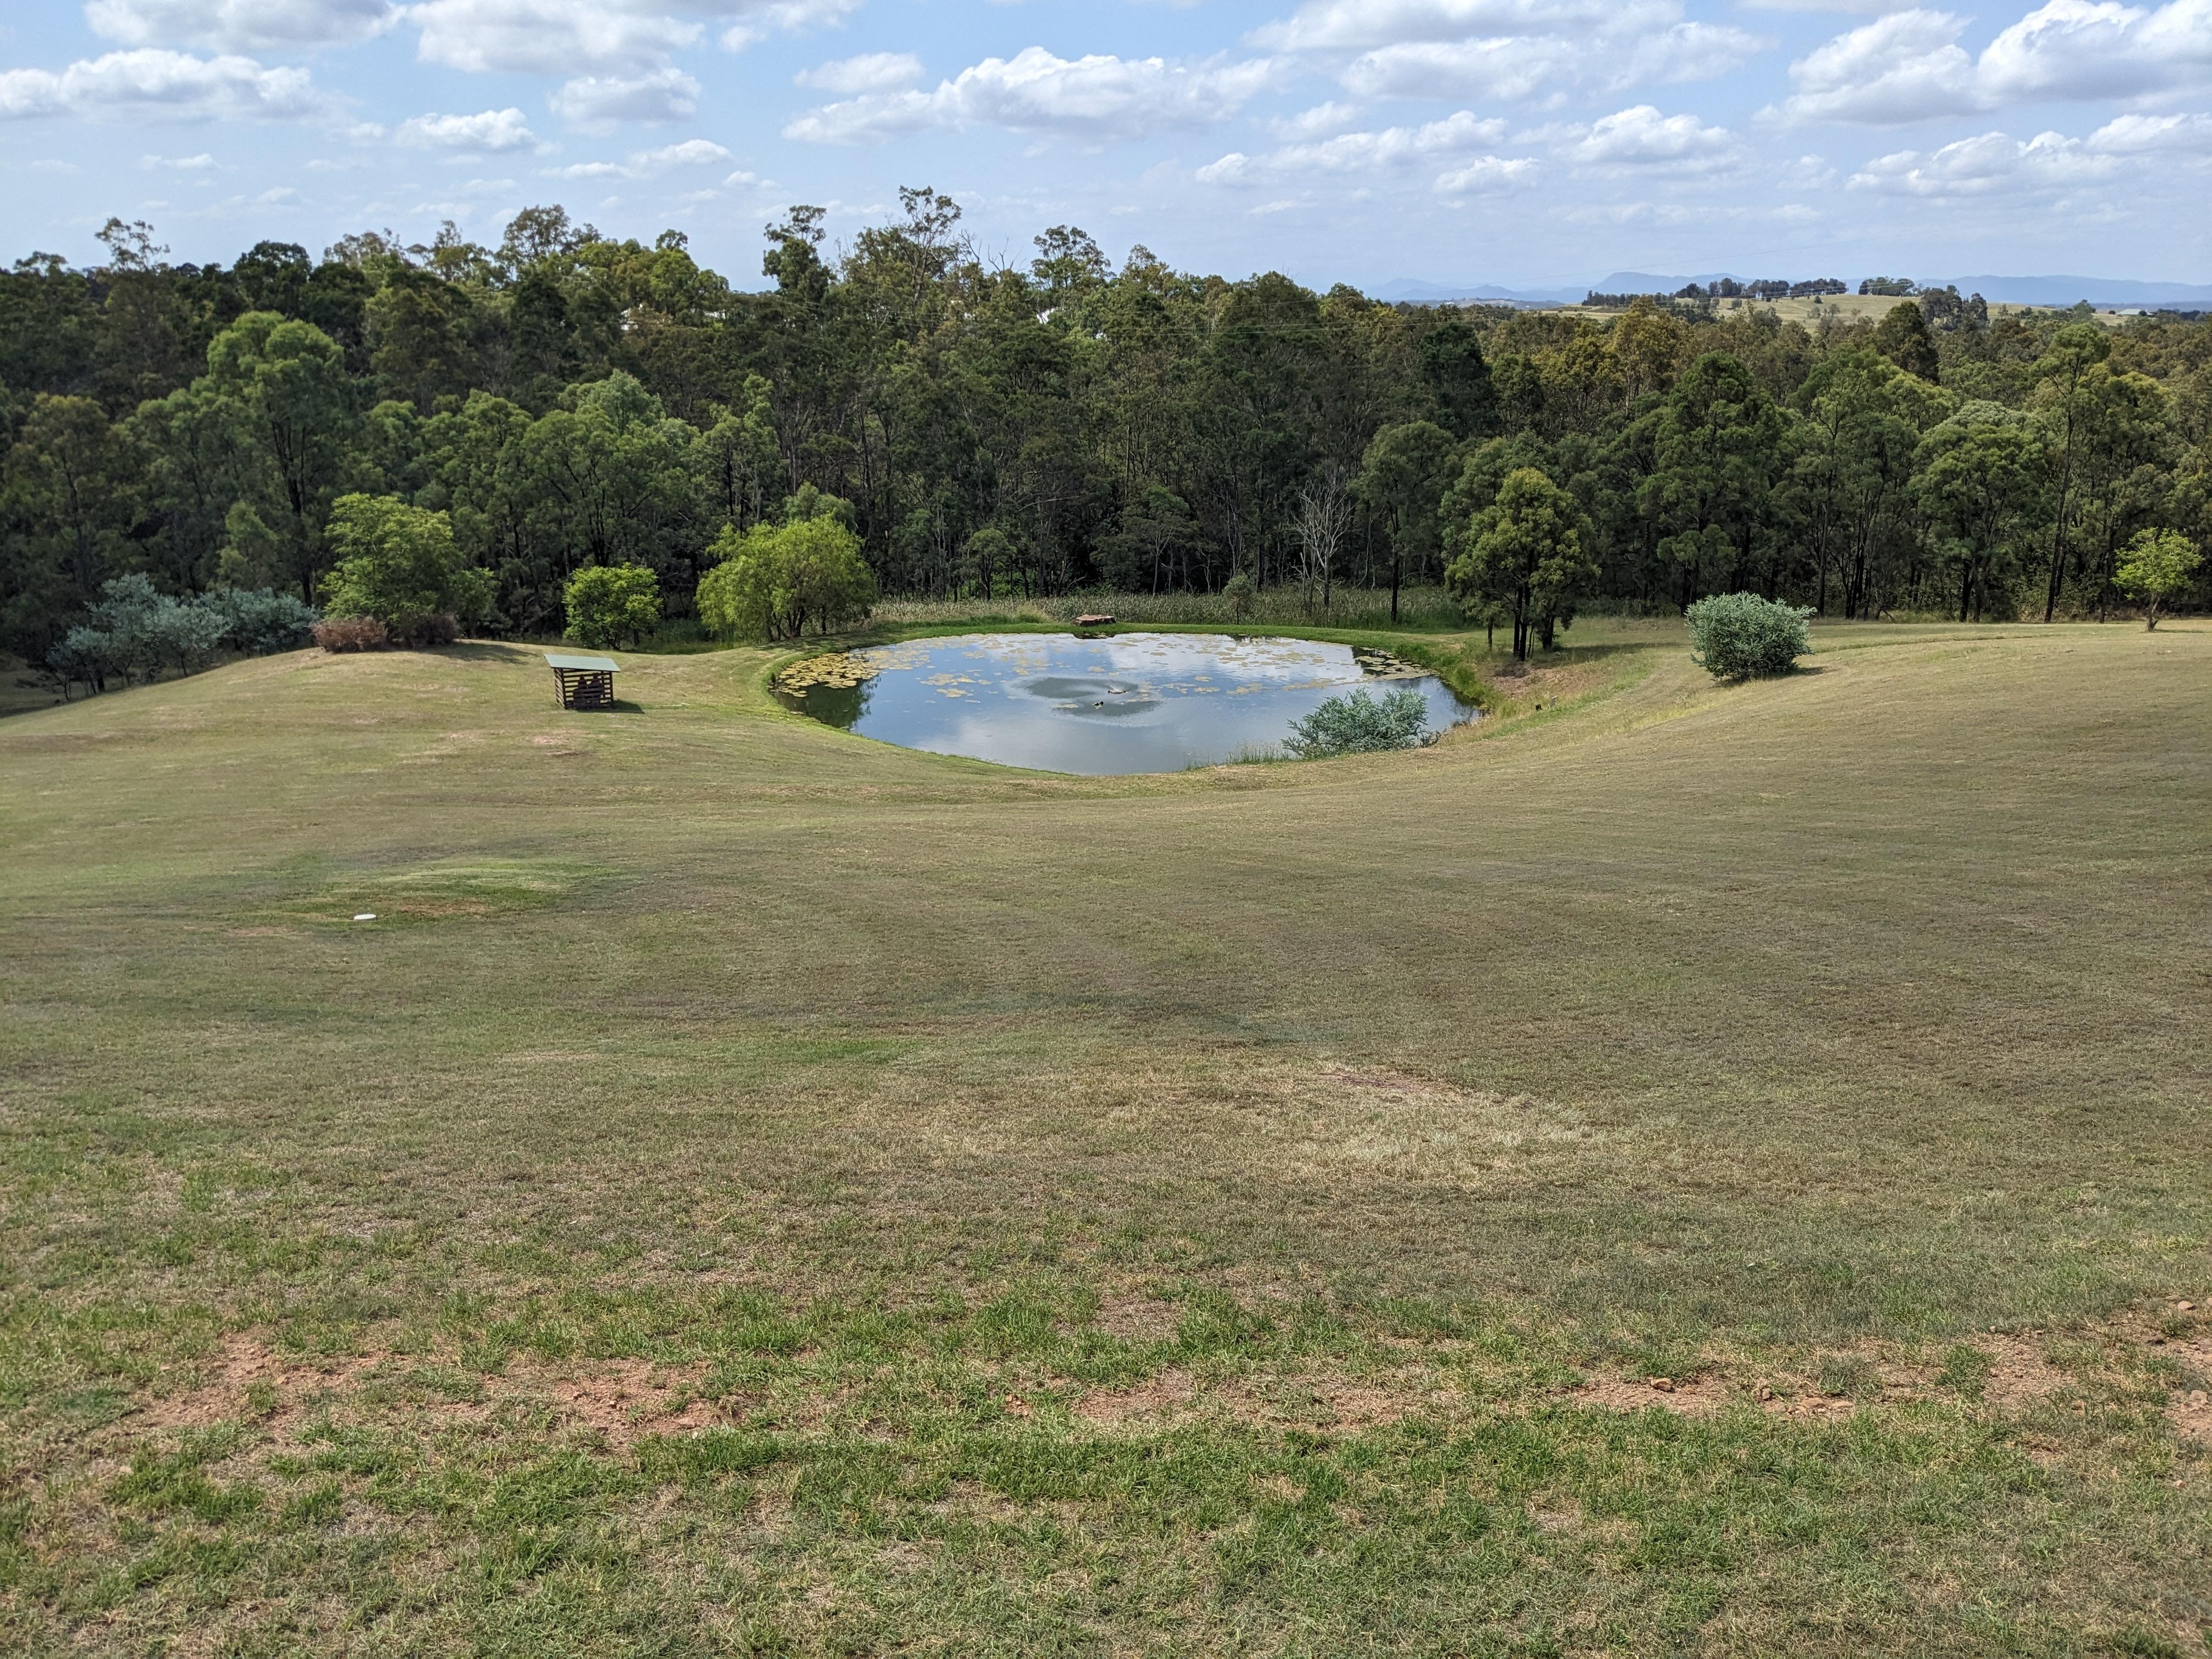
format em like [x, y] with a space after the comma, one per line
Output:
[1519, 141]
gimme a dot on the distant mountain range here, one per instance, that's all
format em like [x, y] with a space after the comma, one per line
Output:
[2003, 290]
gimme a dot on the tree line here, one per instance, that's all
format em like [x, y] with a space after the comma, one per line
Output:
[570, 400]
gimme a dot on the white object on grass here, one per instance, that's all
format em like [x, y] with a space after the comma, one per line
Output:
[365, 915]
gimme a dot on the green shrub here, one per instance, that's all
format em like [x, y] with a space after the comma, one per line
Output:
[2158, 567]
[261, 621]
[135, 632]
[1358, 724]
[775, 580]
[351, 634]
[1734, 636]
[612, 605]
[1240, 596]
[398, 565]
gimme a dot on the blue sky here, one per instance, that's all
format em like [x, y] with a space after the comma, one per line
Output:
[1515, 141]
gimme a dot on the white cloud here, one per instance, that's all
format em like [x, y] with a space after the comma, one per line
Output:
[1364, 25]
[1321, 117]
[1364, 152]
[491, 129]
[1460, 144]
[1513, 68]
[2074, 49]
[691, 153]
[662, 94]
[783, 16]
[2146, 135]
[239, 25]
[201, 163]
[1688, 52]
[549, 37]
[150, 83]
[1508, 49]
[1904, 67]
[1989, 165]
[594, 37]
[645, 163]
[1818, 5]
[1486, 175]
[1096, 97]
[1908, 66]
[1641, 138]
[872, 71]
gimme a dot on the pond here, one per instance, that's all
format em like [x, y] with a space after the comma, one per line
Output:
[1124, 703]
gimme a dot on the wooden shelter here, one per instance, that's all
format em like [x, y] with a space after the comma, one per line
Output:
[583, 682]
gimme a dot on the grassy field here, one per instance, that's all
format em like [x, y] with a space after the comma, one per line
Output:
[1686, 1169]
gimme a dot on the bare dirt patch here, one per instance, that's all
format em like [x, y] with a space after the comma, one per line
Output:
[625, 1399]
[1138, 1318]
[2020, 1378]
[1686, 1396]
[2191, 1413]
[1169, 1394]
[621, 1400]
[1310, 1402]
[1364, 1406]
[242, 1362]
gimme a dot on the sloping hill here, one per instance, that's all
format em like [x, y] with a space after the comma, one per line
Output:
[754, 1185]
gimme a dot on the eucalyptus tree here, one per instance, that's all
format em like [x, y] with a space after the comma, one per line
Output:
[1719, 447]
[1976, 483]
[2064, 404]
[66, 497]
[1401, 479]
[2125, 475]
[294, 414]
[1526, 551]
[1862, 421]
[189, 477]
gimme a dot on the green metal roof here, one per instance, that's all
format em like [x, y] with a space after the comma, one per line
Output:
[585, 665]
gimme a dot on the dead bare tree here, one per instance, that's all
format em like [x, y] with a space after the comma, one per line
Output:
[1323, 521]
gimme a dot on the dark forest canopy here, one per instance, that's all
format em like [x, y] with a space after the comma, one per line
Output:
[570, 399]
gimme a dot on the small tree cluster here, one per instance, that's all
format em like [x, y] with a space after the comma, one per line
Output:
[612, 605]
[1358, 724]
[2158, 566]
[135, 632]
[1523, 557]
[1734, 636]
[398, 565]
[775, 581]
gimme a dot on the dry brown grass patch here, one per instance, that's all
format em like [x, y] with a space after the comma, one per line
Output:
[621, 1400]
[1167, 1394]
[241, 1362]
[1306, 1401]
[1686, 1396]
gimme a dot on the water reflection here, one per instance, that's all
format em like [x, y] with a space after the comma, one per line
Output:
[1130, 703]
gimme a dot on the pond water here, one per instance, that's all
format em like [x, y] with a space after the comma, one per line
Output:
[1124, 703]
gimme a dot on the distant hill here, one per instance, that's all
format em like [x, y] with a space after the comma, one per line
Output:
[2071, 290]
[2003, 290]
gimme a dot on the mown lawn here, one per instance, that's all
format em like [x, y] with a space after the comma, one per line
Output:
[754, 1190]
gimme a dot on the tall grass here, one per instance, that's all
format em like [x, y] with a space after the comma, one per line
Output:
[1423, 610]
